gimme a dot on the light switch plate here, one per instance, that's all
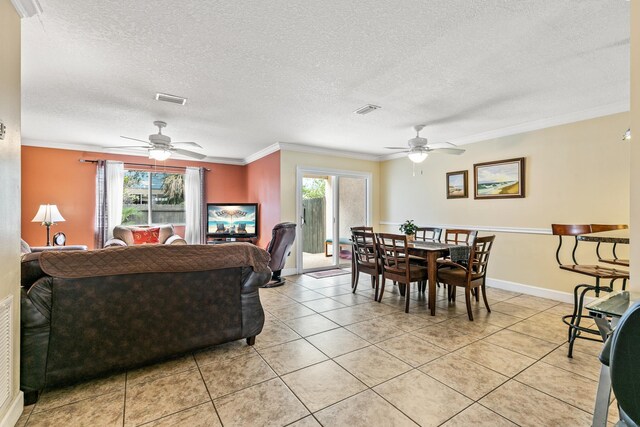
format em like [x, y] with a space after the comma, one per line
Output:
[2, 131]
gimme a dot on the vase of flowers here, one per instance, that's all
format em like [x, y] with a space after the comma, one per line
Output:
[409, 228]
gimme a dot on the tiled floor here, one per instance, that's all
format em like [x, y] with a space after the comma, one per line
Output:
[330, 357]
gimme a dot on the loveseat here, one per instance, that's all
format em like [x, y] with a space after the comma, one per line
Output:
[91, 313]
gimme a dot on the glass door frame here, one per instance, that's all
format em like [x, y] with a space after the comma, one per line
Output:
[335, 175]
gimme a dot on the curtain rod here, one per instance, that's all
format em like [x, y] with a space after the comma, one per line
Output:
[144, 164]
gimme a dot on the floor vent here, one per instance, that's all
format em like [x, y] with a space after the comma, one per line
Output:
[6, 349]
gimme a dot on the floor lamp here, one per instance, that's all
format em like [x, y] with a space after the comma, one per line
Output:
[48, 215]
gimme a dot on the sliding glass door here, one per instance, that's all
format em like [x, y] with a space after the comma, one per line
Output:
[329, 203]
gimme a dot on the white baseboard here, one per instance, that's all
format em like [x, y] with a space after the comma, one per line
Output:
[536, 291]
[13, 413]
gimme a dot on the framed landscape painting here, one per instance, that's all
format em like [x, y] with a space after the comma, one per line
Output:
[503, 179]
[457, 187]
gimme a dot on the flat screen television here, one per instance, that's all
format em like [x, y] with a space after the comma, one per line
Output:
[232, 220]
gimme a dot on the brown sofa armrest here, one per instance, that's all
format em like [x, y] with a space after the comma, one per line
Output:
[114, 243]
[175, 240]
[59, 248]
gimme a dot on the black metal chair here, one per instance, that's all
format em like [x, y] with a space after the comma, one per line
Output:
[621, 355]
[574, 319]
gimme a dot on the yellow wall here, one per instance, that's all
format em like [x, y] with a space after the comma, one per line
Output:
[575, 173]
[291, 160]
[635, 150]
[10, 178]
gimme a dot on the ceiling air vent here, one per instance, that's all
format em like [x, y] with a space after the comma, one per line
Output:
[367, 109]
[171, 98]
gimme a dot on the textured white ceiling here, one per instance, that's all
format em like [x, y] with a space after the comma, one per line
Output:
[259, 72]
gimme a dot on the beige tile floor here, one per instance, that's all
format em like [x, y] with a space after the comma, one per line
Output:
[330, 357]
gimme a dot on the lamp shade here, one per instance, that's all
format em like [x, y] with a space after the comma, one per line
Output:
[48, 214]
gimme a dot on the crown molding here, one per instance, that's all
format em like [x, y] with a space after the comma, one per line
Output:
[303, 148]
[578, 116]
[262, 153]
[95, 149]
[591, 113]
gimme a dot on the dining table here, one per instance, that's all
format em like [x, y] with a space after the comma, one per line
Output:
[431, 251]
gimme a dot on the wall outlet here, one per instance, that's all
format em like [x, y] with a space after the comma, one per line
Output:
[3, 129]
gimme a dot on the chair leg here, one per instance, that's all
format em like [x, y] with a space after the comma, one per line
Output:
[382, 288]
[575, 307]
[574, 334]
[375, 279]
[477, 294]
[402, 288]
[467, 296]
[354, 286]
[406, 297]
[484, 297]
[373, 282]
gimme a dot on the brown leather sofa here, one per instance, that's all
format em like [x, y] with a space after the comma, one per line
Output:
[91, 313]
[123, 236]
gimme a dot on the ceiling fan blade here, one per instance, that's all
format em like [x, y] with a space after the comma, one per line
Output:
[190, 144]
[396, 148]
[146, 147]
[445, 143]
[135, 139]
[188, 153]
[457, 151]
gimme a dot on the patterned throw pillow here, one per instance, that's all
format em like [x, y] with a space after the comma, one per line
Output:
[146, 236]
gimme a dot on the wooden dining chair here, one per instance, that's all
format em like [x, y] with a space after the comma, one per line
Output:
[397, 265]
[470, 276]
[597, 228]
[459, 235]
[428, 234]
[354, 266]
[366, 260]
[597, 272]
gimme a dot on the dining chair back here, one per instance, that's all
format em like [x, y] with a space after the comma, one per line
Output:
[428, 234]
[471, 276]
[459, 236]
[397, 265]
[569, 230]
[365, 258]
[597, 228]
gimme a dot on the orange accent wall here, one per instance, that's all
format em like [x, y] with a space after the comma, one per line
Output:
[58, 177]
[263, 186]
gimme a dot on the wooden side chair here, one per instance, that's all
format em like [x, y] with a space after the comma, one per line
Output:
[397, 265]
[471, 276]
[366, 260]
[354, 266]
[597, 272]
[428, 234]
[596, 228]
[455, 236]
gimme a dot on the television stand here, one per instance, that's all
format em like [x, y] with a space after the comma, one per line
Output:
[220, 240]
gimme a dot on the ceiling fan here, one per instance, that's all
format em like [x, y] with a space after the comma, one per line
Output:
[160, 146]
[419, 148]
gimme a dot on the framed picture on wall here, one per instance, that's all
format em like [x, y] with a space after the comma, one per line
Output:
[457, 185]
[502, 179]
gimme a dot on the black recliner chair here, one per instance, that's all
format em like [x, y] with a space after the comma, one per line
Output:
[282, 238]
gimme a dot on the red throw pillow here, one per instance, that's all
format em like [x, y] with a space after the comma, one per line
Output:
[146, 236]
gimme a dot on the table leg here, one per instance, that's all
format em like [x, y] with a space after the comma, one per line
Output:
[432, 270]
[601, 409]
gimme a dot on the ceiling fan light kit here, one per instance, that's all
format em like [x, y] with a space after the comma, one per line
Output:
[419, 148]
[160, 147]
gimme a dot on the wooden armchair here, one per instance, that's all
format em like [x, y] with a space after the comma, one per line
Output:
[470, 276]
[365, 258]
[396, 264]
[428, 234]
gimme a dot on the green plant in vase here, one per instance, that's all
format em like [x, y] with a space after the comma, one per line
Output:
[409, 228]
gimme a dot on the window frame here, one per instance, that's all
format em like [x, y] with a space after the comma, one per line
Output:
[150, 197]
